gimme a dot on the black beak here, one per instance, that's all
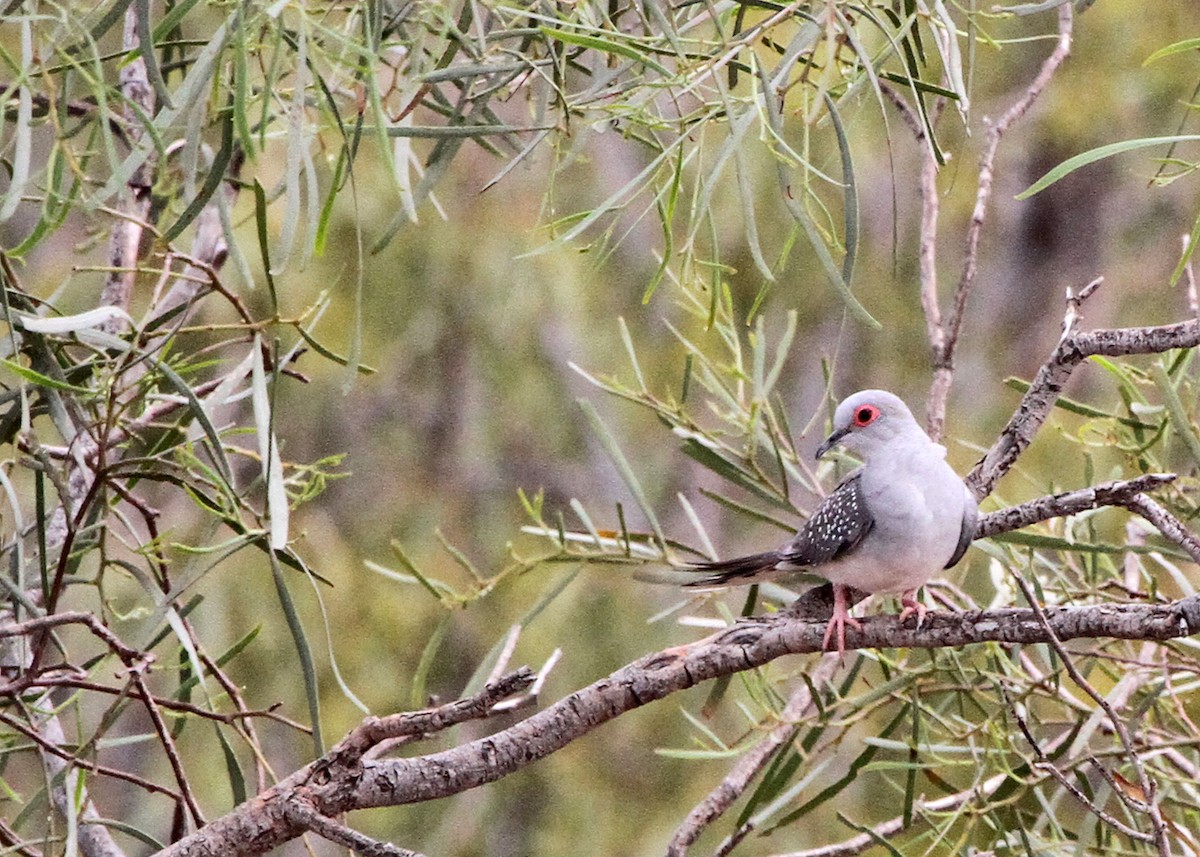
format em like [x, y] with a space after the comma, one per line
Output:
[832, 441]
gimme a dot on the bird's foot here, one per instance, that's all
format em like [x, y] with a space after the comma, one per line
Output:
[838, 622]
[912, 607]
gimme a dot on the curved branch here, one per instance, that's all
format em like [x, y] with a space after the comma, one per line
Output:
[263, 824]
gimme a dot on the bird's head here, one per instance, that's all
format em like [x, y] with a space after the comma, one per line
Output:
[870, 420]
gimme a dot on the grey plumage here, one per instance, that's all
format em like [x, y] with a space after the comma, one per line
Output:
[840, 523]
[888, 527]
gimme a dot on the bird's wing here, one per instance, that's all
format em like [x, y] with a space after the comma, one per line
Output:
[837, 527]
[966, 533]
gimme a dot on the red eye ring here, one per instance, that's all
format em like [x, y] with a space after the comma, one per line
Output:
[865, 415]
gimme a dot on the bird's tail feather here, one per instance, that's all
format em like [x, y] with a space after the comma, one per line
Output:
[734, 572]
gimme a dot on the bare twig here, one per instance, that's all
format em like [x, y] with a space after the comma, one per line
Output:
[128, 655]
[949, 803]
[735, 783]
[943, 335]
[1044, 764]
[1167, 524]
[168, 744]
[53, 736]
[47, 680]
[307, 817]
[1147, 787]
[375, 729]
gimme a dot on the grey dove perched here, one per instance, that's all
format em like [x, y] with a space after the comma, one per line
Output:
[890, 526]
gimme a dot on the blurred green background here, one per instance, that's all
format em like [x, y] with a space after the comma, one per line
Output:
[473, 318]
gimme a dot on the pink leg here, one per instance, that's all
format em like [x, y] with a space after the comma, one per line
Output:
[912, 607]
[840, 619]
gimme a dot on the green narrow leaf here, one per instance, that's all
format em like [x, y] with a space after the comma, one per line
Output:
[328, 354]
[129, 830]
[237, 782]
[1188, 252]
[40, 380]
[419, 697]
[149, 57]
[731, 472]
[835, 788]
[800, 215]
[216, 448]
[555, 589]
[622, 464]
[849, 195]
[303, 652]
[212, 181]
[605, 46]
[1176, 412]
[1092, 155]
[264, 247]
[439, 594]
[1170, 50]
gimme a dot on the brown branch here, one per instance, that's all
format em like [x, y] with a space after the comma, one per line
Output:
[1042, 394]
[128, 655]
[943, 334]
[304, 815]
[263, 824]
[1167, 524]
[47, 680]
[168, 744]
[987, 164]
[1151, 808]
[126, 236]
[53, 749]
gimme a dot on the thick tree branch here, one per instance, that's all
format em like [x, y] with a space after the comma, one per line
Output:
[347, 779]
[264, 823]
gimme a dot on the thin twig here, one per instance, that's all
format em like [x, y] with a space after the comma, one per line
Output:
[949, 803]
[987, 163]
[1044, 764]
[1167, 524]
[735, 783]
[943, 335]
[168, 744]
[47, 680]
[128, 655]
[1148, 789]
[307, 817]
[103, 770]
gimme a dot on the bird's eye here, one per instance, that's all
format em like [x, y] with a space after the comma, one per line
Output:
[866, 415]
